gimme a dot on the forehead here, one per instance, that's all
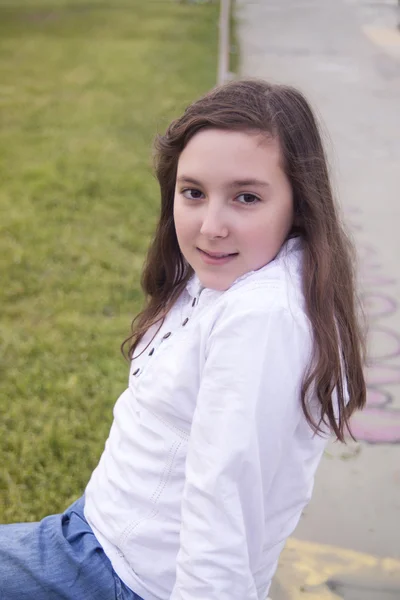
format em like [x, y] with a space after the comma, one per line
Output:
[213, 151]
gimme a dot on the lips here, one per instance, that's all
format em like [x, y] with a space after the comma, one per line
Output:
[218, 254]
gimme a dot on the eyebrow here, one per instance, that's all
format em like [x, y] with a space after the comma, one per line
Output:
[237, 183]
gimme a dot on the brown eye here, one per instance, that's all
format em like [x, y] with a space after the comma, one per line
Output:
[248, 199]
[192, 194]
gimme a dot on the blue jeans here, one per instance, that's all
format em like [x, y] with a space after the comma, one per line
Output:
[58, 558]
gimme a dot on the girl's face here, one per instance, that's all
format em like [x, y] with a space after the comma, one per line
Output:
[233, 205]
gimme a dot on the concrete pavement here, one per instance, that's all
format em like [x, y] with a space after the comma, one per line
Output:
[345, 56]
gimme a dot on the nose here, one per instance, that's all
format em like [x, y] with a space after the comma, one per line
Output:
[214, 223]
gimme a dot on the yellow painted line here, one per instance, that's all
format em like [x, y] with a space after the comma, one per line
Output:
[305, 567]
[386, 38]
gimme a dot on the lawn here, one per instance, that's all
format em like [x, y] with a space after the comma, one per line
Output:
[84, 86]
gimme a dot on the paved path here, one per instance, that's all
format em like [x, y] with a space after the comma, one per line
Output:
[345, 55]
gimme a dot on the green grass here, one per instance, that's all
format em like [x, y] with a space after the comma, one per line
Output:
[84, 86]
[234, 66]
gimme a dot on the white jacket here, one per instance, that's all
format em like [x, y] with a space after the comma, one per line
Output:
[210, 461]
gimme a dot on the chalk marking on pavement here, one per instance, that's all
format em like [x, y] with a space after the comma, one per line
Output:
[379, 422]
[306, 567]
[386, 38]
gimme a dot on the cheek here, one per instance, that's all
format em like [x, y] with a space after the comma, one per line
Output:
[177, 216]
[270, 232]
[182, 222]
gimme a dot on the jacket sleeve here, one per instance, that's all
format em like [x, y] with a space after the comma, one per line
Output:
[247, 409]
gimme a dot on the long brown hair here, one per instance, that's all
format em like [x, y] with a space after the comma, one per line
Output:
[328, 272]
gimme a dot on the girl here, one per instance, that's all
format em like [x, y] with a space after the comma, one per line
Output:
[246, 356]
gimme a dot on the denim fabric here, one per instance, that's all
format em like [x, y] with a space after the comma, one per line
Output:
[58, 558]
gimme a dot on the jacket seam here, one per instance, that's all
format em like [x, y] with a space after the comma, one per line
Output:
[166, 472]
[182, 434]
